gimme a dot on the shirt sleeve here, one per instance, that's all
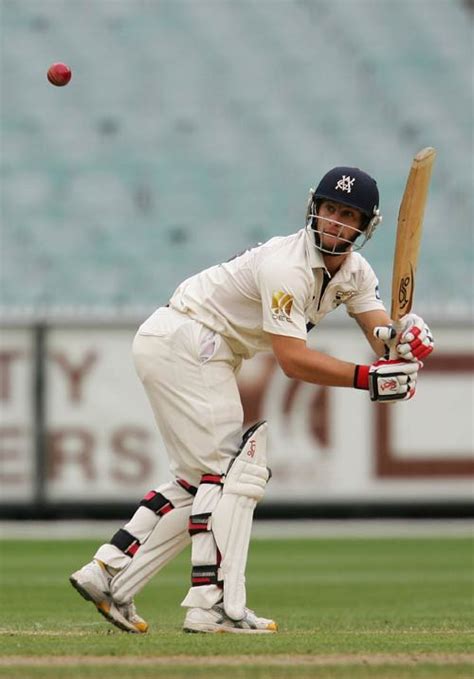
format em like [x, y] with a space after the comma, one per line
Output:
[367, 297]
[283, 294]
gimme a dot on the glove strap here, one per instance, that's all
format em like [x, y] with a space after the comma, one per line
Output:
[361, 377]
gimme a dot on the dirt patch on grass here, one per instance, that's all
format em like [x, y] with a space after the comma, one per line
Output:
[250, 660]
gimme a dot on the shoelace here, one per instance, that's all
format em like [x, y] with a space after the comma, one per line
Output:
[248, 613]
[129, 610]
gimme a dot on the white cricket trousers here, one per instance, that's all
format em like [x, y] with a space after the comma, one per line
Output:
[189, 374]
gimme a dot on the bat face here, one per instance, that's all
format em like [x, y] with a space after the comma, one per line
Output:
[409, 229]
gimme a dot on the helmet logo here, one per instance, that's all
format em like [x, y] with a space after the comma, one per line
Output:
[345, 183]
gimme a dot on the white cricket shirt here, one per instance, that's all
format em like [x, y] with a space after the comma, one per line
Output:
[274, 287]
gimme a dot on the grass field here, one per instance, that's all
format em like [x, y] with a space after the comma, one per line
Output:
[377, 608]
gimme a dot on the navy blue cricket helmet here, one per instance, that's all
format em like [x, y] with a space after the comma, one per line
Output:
[352, 187]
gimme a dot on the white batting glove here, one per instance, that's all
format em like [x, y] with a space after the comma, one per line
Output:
[414, 341]
[388, 380]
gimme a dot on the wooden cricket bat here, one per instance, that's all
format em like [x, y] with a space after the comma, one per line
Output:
[409, 229]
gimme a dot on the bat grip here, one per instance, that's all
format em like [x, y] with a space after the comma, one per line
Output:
[387, 333]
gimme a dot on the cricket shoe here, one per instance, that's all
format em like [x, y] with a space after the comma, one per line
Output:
[215, 620]
[92, 581]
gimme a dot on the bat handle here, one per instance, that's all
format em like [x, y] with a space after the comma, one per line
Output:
[387, 333]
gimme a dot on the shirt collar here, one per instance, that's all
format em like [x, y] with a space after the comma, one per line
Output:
[316, 260]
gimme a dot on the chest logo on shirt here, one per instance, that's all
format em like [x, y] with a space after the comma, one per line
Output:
[282, 304]
[341, 297]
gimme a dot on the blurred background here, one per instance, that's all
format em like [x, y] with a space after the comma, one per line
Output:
[190, 130]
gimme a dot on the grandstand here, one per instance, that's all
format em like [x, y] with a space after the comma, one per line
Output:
[193, 129]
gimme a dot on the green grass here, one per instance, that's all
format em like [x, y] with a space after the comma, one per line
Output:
[330, 597]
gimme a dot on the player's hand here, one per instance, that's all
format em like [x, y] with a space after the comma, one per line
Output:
[388, 380]
[414, 341]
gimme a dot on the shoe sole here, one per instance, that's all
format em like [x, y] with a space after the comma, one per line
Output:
[228, 630]
[103, 607]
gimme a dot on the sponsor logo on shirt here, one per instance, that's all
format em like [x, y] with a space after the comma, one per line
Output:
[282, 304]
[341, 297]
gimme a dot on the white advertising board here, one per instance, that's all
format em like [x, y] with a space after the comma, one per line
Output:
[325, 445]
[17, 460]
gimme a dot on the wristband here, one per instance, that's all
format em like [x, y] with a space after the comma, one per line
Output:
[361, 377]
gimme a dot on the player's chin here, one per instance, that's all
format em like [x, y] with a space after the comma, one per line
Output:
[334, 246]
[330, 241]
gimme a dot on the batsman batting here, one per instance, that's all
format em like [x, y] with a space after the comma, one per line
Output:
[187, 355]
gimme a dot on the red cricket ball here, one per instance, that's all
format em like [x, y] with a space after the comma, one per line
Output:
[59, 74]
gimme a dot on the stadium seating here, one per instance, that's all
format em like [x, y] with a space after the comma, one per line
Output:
[193, 129]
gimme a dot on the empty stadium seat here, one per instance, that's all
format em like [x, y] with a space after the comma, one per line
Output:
[190, 130]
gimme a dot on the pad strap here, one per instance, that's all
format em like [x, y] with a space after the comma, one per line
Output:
[205, 575]
[199, 523]
[157, 502]
[214, 479]
[126, 542]
[192, 490]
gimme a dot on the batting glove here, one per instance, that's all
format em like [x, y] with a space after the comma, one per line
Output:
[414, 341]
[388, 380]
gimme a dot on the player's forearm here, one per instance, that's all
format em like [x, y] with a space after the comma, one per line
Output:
[313, 366]
[370, 320]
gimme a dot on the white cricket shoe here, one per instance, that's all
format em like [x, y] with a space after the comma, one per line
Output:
[92, 581]
[215, 620]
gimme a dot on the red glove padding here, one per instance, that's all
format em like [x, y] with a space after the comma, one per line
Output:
[388, 380]
[414, 341]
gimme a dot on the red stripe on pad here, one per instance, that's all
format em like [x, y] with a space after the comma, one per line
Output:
[192, 490]
[165, 509]
[212, 478]
[133, 549]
